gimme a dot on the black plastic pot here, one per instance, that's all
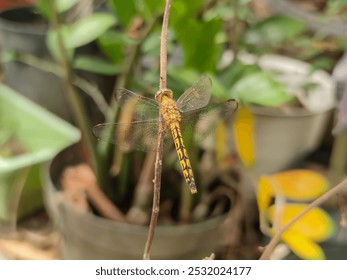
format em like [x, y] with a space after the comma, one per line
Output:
[22, 30]
[87, 236]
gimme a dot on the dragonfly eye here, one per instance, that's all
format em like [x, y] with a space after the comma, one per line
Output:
[163, 92]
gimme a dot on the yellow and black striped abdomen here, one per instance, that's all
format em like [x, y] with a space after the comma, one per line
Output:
[183, 156]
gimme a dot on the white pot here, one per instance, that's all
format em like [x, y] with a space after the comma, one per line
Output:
[284, 137]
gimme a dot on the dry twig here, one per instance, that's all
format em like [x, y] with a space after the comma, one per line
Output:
[161, 134]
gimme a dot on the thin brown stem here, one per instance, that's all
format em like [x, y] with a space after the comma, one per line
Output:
[276, 238]
[74, 99]
[156, 191]
[161, 134]
[163, 46]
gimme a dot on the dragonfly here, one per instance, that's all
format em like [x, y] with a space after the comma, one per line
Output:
[191, 114]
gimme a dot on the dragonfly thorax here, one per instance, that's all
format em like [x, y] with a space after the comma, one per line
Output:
[163, 92]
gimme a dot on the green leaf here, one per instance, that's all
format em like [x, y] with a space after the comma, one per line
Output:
[88, 29]
[197, 39]
[43, 7]
[260, 89]
[8, 55]
[149, 8]
[64, 5]
[272, 31]
[124, 10]
[53, 46]
[112, 42]
[96, 65]
[61, 5]
[237, 70]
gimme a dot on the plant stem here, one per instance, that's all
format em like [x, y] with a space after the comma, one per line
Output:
[277, 237]
[163, 46]
[72, 95]
[161, 134]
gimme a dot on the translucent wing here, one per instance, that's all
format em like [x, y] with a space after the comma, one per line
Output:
[140, 135]
[142, 107]
[196, 96]
[201, 122]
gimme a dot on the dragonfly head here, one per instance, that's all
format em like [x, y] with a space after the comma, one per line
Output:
[163, 92]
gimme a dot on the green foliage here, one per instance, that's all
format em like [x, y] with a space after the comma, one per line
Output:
[150, 9]
[52, 43]
[95, 65]
[251, 85]
[197, 39]
[112, 44]
[124, 10]
[88, 29]
[272, 32]
[62, 6]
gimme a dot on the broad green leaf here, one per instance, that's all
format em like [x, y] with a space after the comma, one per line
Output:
[302, 246]
[260, 89]
[64, 5]
[243, 128]
[43, 6]
[218, 90]
[273, 31]
[96, 65]
[184, 10]
[149, 8]
[88, 29]
[151, 46]
[197, 39]
[124, 10]
[112, 42]
[236, 71]
[53, 46]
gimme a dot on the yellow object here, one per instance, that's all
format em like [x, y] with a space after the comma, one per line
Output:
[265, 193]
[297, 184]
[243, 129]
[315, 225]
[302, 246]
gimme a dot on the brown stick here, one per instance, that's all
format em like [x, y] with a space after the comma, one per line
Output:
[276, 238]
[163, 46]
[161, 134]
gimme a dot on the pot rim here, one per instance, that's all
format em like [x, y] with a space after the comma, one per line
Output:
[21, 27]
[294, 112]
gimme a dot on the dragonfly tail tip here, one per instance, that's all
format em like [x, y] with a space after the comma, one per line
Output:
[193, 189]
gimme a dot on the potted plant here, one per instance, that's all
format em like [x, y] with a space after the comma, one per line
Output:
[228, 81]
[80, 223]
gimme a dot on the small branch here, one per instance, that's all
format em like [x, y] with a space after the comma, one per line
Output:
[74, 99]
[156, 191]
[163, 46]
[277, 238]
[161, 134]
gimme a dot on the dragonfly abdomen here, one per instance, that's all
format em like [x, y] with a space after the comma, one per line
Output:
[183, 156]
